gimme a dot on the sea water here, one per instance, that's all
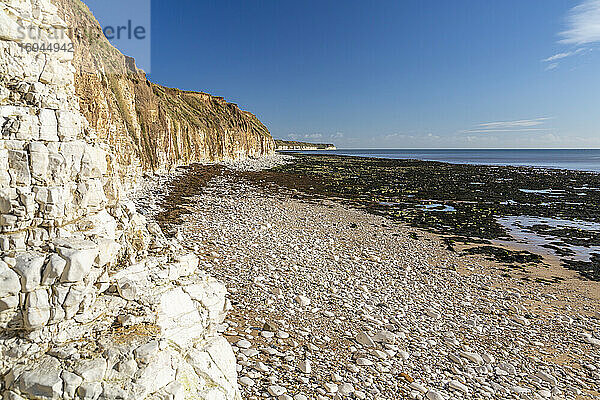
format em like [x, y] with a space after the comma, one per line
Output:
[583, 159]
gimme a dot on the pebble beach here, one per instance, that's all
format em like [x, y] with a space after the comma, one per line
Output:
[330, 301]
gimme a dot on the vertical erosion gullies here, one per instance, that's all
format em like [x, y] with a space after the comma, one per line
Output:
[95, 302]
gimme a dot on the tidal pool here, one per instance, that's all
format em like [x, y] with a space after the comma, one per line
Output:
[521, 228]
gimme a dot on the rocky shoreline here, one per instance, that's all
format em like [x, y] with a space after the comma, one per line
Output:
[553, 213]
[329, 301]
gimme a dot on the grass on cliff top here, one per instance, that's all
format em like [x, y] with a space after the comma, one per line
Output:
[212, 115]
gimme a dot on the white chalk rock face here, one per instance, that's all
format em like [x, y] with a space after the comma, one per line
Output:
[93, 163]
[4, 174]
[217, 361]
[105, 226]
[8, 303]
[129, 289]
[179, 319]
[185, 266]
[54, 269]
[56, 73]
[10, 283]
[48, 125]
[108, 250]
[29, 267]
[9, 29]
[69, 125]
[18, 164]
[39, 158]
[157, 374]
[132, 281]
[90, 390]
[71, 383]
[92, 370]
[145, 352]
[43, 381]
[37, 309]
[211, 295]
[73, 300]
[6, 194]
[80, 256]
[73, 154]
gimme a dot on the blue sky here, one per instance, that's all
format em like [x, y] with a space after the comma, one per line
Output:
[393, 74]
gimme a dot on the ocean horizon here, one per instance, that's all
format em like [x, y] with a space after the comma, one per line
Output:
[571, 159]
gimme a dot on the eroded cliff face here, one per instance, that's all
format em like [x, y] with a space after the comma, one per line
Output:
[95, 302]
[149, 126]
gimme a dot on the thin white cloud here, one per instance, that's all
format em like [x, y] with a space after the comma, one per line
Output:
[583, 24]
[505, 130]
[582, 28]
[560, 56]
[515, 124]
[521, 125]
[313, 136]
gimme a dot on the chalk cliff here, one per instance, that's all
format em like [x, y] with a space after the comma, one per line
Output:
[147, 125]
[95, 302]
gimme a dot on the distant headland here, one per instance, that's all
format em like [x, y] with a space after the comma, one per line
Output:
[293, 145]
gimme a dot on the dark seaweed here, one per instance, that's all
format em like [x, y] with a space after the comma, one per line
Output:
[180, 190]
[589, 270]
[505, 256]
[573, 236]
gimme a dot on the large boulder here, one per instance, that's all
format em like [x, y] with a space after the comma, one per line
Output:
[158, 373]
[132, 282]
[91, 370]
[54, 269]
[211, 294]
